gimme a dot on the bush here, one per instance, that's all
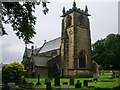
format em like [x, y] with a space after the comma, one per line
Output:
[101, 67]
[12, 72]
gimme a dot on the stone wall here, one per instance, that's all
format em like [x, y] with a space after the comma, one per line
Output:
[84, 43]
[54, 67]
[42, 71]
[50, 53]
[79, 73]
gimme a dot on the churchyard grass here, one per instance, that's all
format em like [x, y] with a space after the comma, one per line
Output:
[97, 84]
[104, 81]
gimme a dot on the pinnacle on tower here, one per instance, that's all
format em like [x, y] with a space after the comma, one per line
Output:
[63, 10]
[74, 4]
[86, 9]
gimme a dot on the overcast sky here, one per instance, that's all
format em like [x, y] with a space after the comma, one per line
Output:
[103, 21]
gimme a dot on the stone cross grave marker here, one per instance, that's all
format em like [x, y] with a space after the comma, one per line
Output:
[38, 83]
[57, 81]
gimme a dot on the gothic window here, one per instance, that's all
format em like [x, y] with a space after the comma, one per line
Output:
[57, 70]
[68, 21]
[81, 19]
[86, 23]
[82, 59]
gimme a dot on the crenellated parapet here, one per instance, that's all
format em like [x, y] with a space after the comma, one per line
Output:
[74, 8]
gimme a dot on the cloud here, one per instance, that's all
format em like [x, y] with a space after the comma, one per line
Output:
[11, 52]
[12, 47]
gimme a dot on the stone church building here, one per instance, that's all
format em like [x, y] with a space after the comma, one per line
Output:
[67, 56]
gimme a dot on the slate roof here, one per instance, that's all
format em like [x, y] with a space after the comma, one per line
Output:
[51, 45]
[48, 46]
[40, 61]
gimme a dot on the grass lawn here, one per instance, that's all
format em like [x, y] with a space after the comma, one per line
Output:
[103, 81]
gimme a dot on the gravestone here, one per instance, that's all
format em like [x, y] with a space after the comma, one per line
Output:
[114, 76]
[11, 84]
[11, 79]
[102, 72]
[64, 86]
[90, 80]
[48, 86]
[57, 81]
[71, 81]
[95, 79]
[78, 84]
[47, 80]
[85, 83]
[29, 85]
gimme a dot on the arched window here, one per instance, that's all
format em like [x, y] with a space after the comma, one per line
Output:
[82, 59]
[81, 19]
[68, 21]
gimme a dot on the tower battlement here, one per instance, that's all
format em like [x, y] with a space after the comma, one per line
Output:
[74, 8]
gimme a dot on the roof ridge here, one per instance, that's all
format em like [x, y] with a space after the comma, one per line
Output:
[53, 39]
[40, 48]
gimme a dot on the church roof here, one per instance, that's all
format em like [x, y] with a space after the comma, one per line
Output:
[51, 45]
[48, 46]
[40, 60]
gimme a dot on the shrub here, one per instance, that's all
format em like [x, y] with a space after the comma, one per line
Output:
[12, 72]
[101, 67]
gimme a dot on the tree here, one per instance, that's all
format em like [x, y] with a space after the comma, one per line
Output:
[20, 16]
[13, 71]
[106, 52]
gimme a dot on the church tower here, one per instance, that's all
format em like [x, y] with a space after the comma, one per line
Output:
[76, 58]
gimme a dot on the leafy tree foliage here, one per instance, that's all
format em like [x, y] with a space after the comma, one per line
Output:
[20, 16]
[13, 71]
[106, 52]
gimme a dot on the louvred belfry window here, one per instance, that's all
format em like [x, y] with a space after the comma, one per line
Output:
[68, 21]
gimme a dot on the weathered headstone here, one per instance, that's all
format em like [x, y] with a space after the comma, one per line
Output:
[48, 86]
[11, 84]
[57, 81]
[65, 86]
[71, 81]
[102, 72]
[47, 80]
[113, 75]
[85, 83]
[29, 85]
[78, 84]
[95, 79]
